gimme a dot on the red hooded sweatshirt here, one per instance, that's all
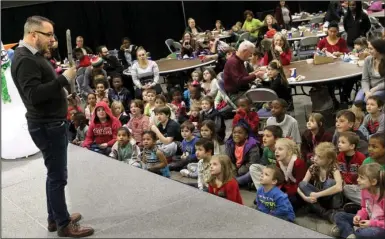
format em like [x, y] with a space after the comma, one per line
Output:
[102, 132]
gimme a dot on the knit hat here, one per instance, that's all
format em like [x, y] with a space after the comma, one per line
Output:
[96, 61]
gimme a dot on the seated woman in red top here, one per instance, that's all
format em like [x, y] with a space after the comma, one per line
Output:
[280, 50]
[333, 43]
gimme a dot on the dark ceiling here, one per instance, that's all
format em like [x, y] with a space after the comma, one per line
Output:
[10, 4]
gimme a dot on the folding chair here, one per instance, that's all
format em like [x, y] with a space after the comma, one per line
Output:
[309, 44]
[242, 37]
[221, 89]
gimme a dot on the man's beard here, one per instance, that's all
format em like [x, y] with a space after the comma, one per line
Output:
[41, 47]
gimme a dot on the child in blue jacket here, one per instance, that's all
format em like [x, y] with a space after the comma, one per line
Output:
[270, 199]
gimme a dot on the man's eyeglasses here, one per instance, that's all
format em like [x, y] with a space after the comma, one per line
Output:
[49, 34]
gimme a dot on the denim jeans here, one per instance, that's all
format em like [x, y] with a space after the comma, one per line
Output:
[244, 179]
[344, 222]
[51, 138]
[361, 95]
[332, 201]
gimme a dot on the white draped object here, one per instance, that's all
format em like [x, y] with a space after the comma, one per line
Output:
[15, 139]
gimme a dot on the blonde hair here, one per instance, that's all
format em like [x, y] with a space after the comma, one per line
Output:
[145, 61]
[374, 171]
[272, 18]
[291, 146]
[227, 169]
[119, 104]
[327, 150]
[360, 115]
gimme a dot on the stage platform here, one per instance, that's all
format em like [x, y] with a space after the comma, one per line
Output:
[122, 201]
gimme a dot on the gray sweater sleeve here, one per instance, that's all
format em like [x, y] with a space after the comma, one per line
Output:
[365, 83]
[86, 81]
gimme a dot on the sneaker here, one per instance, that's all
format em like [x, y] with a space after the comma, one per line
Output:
[351, 208]
[185, 173]
[351, 236]
[335, 231]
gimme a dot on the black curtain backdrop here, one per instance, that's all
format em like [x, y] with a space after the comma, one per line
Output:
[148, 24]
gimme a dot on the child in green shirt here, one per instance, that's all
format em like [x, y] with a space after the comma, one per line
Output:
[376, 149]
[271, 134]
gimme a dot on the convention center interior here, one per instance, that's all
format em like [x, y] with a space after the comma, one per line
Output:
[193, 119]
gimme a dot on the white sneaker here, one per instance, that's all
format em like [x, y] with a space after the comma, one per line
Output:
[351, 236]
[184, 172]
[335, 231]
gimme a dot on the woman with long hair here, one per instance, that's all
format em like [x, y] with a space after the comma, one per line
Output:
[145, 73]
[280, 50]
[356, 22]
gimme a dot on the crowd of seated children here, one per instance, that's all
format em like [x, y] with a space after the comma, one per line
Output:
[313, 135]
[153, 158]
[119, 112]
[322, 185]
[345, 120]
[288, 124]
[138, 122]
[349, 160]
[119, 93]
[179, 106]
[188, 147]
[125, 148]
[374, 121]
[222, 182]
[271, 134]
[210, 113]
[270, 199]
[245, 113]
[102, 130]
[243, 149]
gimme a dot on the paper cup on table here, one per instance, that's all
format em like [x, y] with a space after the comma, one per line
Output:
[201, 57]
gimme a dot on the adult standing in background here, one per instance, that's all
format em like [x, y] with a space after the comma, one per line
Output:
[251, 25]
[356, 22]
[334, 12]
[43, 94]
[283, 15]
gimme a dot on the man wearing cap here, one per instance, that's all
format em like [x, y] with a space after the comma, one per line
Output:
[44, 97]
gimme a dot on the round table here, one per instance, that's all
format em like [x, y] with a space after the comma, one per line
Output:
[316, 74]
[167, 66]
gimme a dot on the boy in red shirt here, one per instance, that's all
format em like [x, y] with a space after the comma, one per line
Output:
[349, 160]
[84, 60]
[244, 112]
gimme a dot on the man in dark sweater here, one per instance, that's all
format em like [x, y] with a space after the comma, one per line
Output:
[110, 62]
[44, 96]
[235, 75]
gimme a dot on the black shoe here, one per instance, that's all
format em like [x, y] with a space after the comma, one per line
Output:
[351, 208]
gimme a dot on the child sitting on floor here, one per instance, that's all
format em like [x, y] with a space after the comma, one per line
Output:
[360, 115]
[204, 151]
[313, 135]
[294, 168]
[222, 182]
[369, 221]
[270, 199]
[102, 131]
[349, 160]
[101, 89]
[125, 148]
[119, 112]
[345, 120]
[188, 147]
[209, 84]
[119, 93]
[243, 150]
[152, 157]
[150, 106]
[376, 150]
[322, 185]
[288, 124]
[194, 116]
[374, 121]
[210, 113]
[270, 136]
[179, 105]
[91, 104]
[82, 128]
[160, 101]
[244, 112]
[207, 131]
[139, 122]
